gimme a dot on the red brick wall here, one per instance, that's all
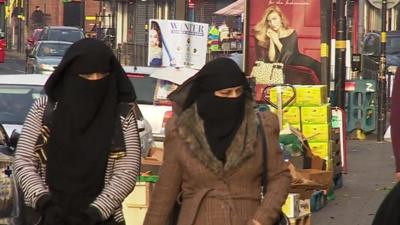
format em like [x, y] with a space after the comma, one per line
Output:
[55, 9]
[91, 9]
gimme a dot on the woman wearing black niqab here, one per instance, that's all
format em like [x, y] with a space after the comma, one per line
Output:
[213, 154]
[88, 90]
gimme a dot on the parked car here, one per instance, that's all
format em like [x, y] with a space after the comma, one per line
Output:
[151, 98]
[18, 92]
[371, 53]
[45, 56]
[31, 41]
[62, 33]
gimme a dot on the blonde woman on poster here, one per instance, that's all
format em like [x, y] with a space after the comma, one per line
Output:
[277, 42]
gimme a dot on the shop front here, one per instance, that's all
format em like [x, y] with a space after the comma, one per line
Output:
[129, 21]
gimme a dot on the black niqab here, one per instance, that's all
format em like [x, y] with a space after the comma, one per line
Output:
[222, 117]
[86, 118]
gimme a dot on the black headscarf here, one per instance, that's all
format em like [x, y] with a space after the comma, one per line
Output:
[222, 116]
[86, 119]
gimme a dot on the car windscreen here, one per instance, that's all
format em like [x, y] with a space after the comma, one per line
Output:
[52, 49]
[144, 88]
[15, 102]
[65, 35]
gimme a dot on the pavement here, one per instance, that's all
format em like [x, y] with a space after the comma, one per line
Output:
[370, 177]
[14, 54]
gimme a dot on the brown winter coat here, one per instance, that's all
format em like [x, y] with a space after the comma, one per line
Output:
[212, 193]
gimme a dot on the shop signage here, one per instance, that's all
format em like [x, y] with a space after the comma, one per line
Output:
[177, 43]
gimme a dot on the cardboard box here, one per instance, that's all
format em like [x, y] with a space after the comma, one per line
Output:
[291, 206]
[316, 114]
[311, 95]
[304, 206]
[322, 177]
[301, 220]
[296, 125]
[316, 132]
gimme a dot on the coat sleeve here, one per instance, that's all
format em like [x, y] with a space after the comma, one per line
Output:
[168, 187]
[278, 174]
[26, 164]
[123, 172]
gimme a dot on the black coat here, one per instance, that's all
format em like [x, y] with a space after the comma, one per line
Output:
[388, 212]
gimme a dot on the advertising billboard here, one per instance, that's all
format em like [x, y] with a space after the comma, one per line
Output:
[177, 43]
[285, 32]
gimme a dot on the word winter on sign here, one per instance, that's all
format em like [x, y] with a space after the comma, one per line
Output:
[187, 28]
[289, 2]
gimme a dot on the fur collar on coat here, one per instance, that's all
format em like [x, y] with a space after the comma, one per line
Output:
[191, 130]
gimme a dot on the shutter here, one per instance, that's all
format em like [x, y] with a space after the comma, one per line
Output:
[73, 14]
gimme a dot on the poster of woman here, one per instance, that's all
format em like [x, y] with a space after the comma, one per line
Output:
[177, 43]
[287, 32]
[155, 45]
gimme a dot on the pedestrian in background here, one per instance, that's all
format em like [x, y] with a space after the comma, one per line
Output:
[213, 155]
[387, 213]
[37, 18]
[93, 155]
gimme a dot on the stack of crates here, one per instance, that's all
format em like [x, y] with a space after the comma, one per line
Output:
[315, 120]
[311, 114]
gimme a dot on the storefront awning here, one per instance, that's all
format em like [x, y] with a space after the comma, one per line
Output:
[234, 9]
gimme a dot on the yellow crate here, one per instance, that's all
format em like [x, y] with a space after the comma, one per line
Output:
[316, 132]
[311, 95]
[134, 215]
[287, 93]
[316, 114]
[291, 206]
[321, 149]
[291, 115]
[140, 196]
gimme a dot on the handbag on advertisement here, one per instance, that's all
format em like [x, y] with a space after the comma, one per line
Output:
[268, 73]
[283, 219]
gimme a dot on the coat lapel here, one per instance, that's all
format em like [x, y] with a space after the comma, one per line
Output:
[191, 130]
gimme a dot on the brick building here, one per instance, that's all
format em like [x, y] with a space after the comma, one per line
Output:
[77, 13]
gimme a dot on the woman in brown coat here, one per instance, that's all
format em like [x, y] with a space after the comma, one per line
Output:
[213, 155]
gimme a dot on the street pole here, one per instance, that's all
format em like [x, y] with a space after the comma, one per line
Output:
[20, 28]
[340, 66]
[382, 77]
[326, 15]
